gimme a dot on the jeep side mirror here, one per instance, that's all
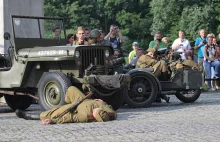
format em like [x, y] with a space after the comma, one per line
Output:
[7, 36]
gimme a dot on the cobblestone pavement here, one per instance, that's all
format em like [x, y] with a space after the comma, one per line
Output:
[176, 121]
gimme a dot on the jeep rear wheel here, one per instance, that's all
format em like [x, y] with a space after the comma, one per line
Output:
[52, 90]
[18, 102]
[143, 90]
[188, 96]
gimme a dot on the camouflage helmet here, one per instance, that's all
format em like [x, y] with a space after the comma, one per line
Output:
[95, 33]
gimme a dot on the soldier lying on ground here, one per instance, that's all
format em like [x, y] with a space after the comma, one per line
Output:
[88, 111]
[148, 61]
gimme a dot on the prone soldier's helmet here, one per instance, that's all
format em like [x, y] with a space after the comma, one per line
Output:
[95, 33]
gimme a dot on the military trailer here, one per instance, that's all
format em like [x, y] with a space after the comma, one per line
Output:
[145, 87]
[42, 67]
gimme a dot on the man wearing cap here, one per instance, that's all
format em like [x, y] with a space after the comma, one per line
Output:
[132, 54]
[148, 61]
[88, 111]
[56, 31]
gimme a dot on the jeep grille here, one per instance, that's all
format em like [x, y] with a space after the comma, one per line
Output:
[89, 55]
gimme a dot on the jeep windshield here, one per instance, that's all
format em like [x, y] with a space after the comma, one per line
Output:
[38, 27]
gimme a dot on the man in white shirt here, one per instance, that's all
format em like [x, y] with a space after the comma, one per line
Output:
[181, 44]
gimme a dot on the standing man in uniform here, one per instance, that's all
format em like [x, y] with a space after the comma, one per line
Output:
[80, 37]
[56, 31]
[88, 111]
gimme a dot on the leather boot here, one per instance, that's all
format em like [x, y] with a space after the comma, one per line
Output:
[27, 116]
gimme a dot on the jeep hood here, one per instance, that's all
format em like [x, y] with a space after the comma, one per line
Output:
[51, 51]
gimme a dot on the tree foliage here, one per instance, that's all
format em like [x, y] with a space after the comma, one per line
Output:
[139, 19]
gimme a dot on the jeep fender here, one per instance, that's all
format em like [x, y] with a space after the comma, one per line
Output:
[147, 71]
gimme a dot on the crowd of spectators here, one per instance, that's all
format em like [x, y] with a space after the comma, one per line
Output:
[85, 36]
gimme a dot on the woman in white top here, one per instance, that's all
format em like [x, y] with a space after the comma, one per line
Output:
[181, 44]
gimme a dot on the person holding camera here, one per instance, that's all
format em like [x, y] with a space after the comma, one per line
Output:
[157, 43]
[199, 45]
[80, 40]
[114, 40]
[181, 44]
[211, 60]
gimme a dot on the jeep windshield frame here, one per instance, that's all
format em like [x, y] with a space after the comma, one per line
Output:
[16, 21]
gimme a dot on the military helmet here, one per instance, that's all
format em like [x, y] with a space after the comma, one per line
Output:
[95, 33]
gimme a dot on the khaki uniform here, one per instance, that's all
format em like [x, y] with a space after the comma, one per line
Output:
[83, 111]
[186, 63]
[180, 65]
[145, 61]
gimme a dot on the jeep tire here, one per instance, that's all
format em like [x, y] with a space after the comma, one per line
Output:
[18, 102]
[52, 90]
[143, 90]
[188, 99]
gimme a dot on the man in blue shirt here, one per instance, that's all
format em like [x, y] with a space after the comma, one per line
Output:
[199, 45]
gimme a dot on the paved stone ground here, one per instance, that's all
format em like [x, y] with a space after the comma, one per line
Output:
[176, 121]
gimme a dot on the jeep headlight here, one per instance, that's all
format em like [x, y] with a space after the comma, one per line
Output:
[77, 54]
[106, 53]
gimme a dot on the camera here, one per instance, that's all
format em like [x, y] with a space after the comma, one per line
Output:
[159, 40]
[204, 42]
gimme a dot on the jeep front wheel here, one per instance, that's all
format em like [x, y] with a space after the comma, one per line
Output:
[52, 90]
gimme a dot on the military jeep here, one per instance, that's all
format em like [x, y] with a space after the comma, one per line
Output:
[42, 67]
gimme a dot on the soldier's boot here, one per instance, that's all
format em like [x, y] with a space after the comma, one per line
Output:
[164, 76]
[158, 99]
[27, 116]
[167, 99]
